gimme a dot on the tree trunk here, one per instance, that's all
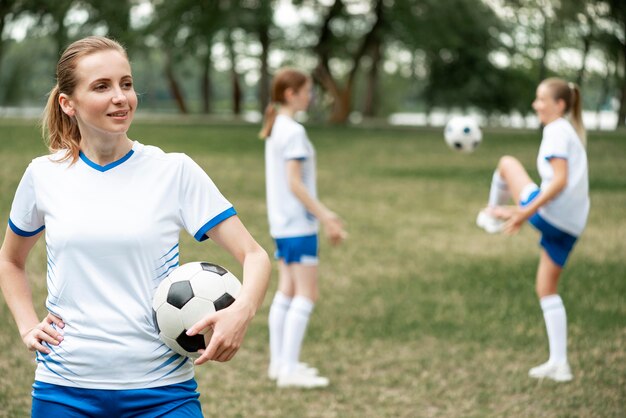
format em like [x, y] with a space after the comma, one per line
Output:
[581, 72]
[207, 87]
[234, 76]
[60, 34]
[621, 113]
[175, 89]
[371, 94]
[544, 47]
[264, 83]
[2, 17]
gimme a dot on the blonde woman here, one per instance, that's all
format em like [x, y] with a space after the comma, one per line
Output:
[111, 210]
[558, 208]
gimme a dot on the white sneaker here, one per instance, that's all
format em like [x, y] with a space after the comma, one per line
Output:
[274, 369]
[301, 379]
[557, 372]
[489, 223]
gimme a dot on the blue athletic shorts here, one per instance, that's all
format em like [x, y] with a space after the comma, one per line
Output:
[558, 244]
[173, 401]
[303, 250]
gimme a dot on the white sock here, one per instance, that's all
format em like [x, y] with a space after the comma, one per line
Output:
[499, 192]
[556, 326]
[295, 327]
[276, 322]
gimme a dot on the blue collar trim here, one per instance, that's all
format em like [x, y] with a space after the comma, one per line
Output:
[107, 167]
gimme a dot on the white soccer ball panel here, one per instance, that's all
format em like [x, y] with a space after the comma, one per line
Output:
[232, 284]
[171, 343]
[169, 320]
[196, 309]
[160, 296]
[208, 285]
[185, 271]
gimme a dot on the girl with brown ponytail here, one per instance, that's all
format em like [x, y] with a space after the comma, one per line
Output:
[294, 213]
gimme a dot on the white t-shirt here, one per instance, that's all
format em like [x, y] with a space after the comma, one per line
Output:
[569, 209]
[287, 215]
[111, 237]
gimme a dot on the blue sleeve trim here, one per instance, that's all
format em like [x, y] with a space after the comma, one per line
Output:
[23, 233]
[297, 158]
[201, 234]
[549, 157]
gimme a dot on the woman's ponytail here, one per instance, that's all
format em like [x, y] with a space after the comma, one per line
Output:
[577, 113]
[60, 131]
[268, 121]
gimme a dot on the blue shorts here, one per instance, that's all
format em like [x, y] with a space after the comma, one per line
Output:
[303, 250]
[558, 244]
[173, 401]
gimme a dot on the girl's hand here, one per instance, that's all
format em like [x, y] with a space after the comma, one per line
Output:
[44, 332]
[333, 228]
[516, 221]
[228, 327]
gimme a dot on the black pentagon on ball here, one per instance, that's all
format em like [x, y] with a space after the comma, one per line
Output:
[223, 301]
[466, 130]
[156, 323]
[179, 294]
[458, 145]
[191, 344]
[214, 268]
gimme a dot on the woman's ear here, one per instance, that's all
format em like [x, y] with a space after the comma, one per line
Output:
[288, 94]
[561, 105]
[67, 106]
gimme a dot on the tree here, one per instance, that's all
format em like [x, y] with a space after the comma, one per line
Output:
[360, 35]
[618, 14]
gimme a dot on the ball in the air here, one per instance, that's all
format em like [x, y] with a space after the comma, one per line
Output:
[463, 134]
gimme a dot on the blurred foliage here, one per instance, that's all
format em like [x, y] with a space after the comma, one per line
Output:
[370, 56]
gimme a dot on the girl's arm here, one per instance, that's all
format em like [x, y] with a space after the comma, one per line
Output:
[230, 325]
[333, 226]
[17, 294]
[556, 186]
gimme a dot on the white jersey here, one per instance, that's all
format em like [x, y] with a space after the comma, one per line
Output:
[111, 237]
[569, 209]
[287, 215]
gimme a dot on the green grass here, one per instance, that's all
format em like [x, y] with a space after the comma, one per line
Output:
[422, 314]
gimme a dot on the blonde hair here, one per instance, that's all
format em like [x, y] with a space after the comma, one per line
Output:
[286, 78]
[59, 130]
[570, 94]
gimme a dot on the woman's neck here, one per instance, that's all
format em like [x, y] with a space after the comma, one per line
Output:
[287, 111]
[105, 151]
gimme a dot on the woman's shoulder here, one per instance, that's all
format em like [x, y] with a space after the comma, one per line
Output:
[560, 128]
[57, 158]
[286, 128]
[152, 152]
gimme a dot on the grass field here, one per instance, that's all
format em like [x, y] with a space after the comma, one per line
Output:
[422, 314]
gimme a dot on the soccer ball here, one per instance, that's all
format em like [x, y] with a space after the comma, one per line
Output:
[187, 295]
[463, 134]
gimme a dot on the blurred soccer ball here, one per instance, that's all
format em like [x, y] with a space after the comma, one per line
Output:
[187, 295]
[463, 134]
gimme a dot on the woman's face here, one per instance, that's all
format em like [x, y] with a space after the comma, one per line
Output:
[104, 100]
[301, 99]
[546, 107]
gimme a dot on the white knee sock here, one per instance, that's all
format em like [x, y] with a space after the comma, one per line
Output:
[499, 192]
[295, 327]
[276, 322]
[556, 326]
